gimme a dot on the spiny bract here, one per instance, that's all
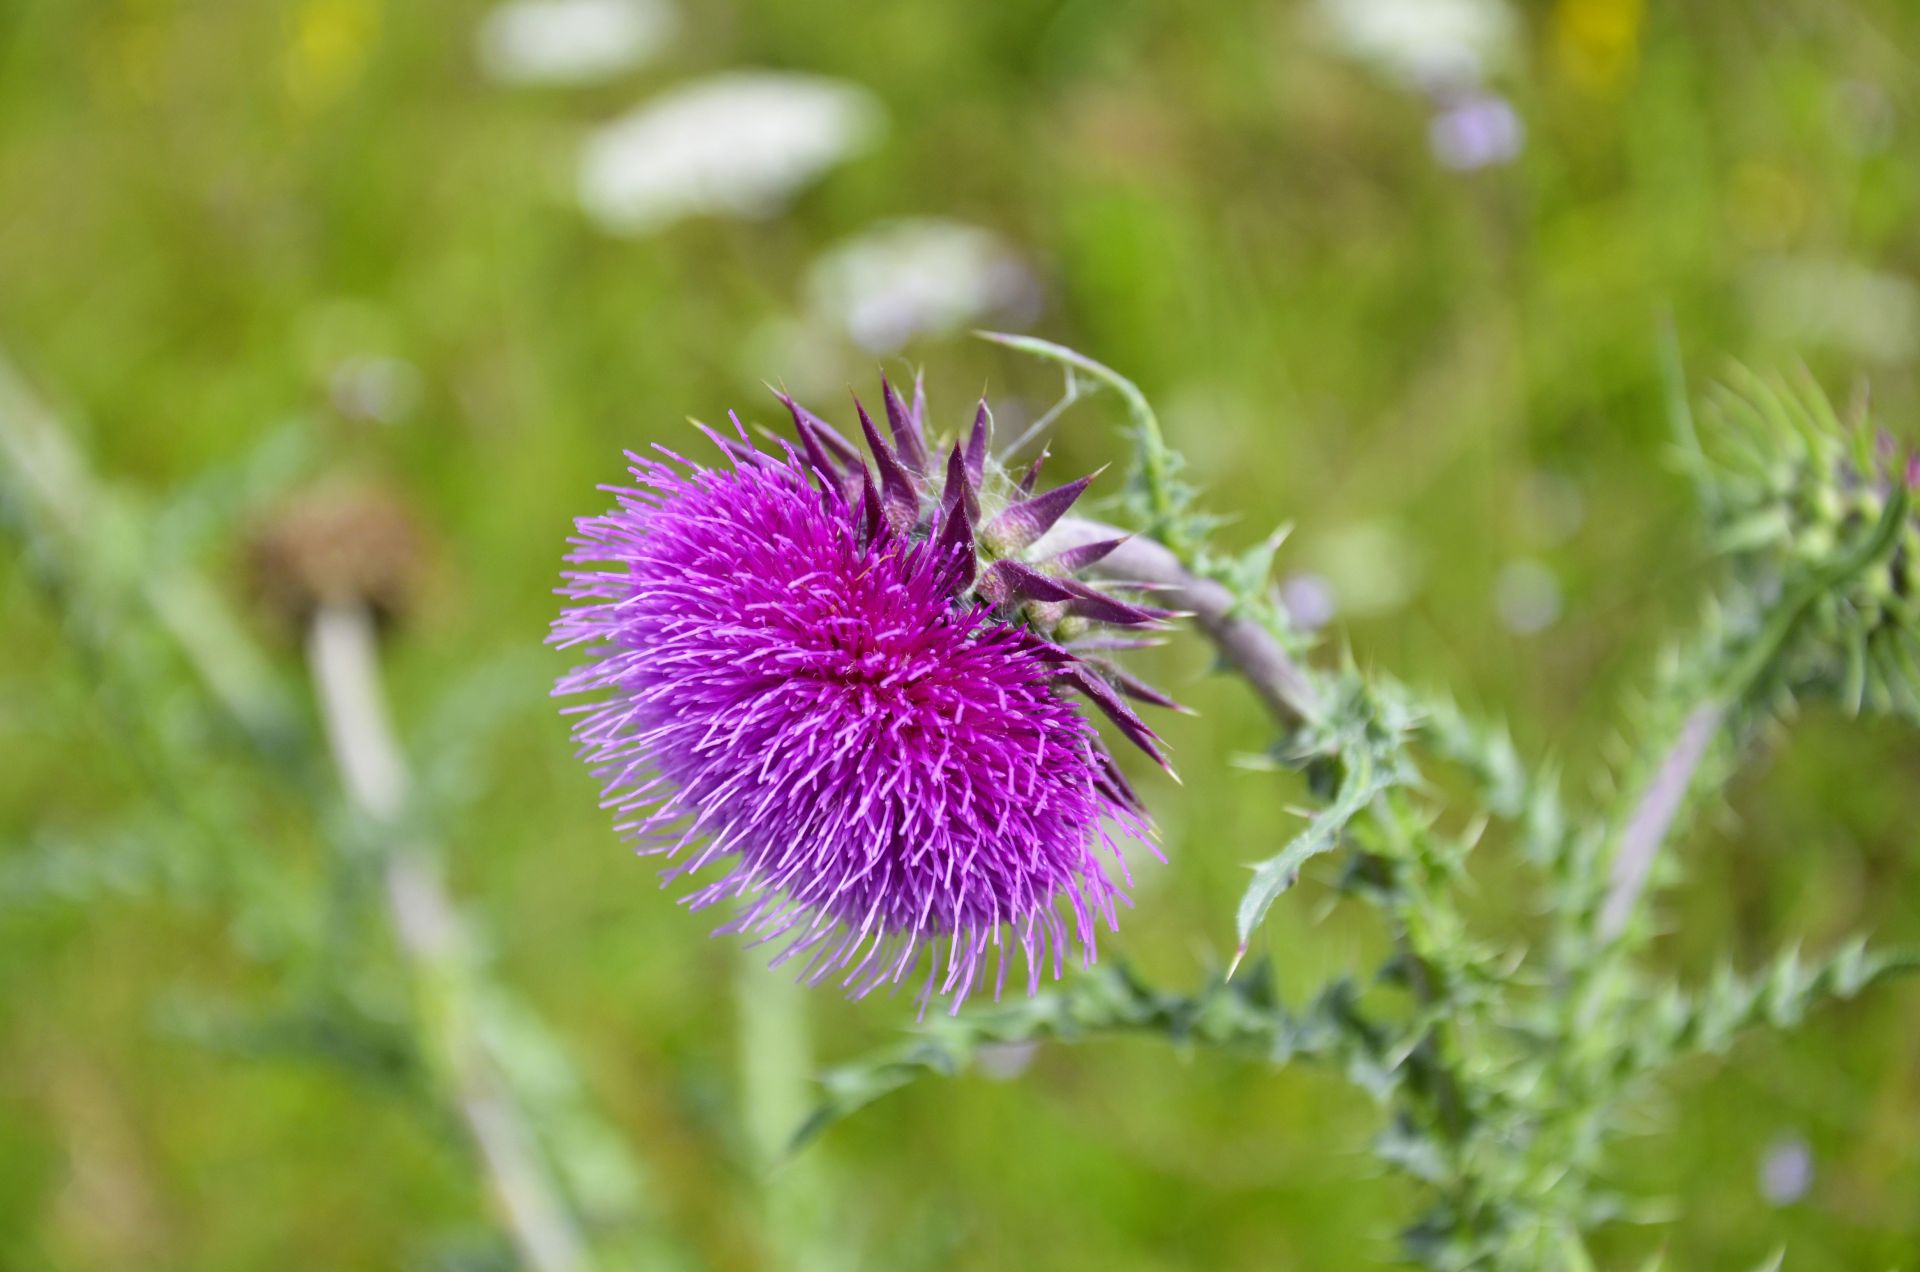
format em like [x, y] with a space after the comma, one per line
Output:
[841, 688]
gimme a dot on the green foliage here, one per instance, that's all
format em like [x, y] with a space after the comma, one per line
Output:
[1504, 1067]
[407, 1032]
[1239, 1013]
[1507, 1067]
[209, 206]
[1353, 754]
[1160, 500]
[1819, 508]
[1780, 996]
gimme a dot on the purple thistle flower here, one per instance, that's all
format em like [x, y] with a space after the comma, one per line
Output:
[826, 683]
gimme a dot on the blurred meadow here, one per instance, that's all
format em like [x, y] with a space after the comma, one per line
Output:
[1398, 272]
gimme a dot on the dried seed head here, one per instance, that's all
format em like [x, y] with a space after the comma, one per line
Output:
[338, 543]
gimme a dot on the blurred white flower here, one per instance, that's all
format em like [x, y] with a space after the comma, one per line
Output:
[1841, 304]
[1476, 131]
[1526, 595]
[1786, 1171]
[909, 278]
[571, 41]
[738, 144]
[1422, 43]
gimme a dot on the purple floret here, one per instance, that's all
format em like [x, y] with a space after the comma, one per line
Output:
[806, 678]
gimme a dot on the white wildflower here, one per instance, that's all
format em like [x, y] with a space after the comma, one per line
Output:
[910, 278]
[1422, 43]
[565, 42]
[738, 144]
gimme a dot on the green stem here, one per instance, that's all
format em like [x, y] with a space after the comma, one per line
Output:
[776, 1066]
[342, 652]
[1156, 461]
[1660, 801]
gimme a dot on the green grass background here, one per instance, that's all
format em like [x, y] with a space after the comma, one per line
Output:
[198, 198]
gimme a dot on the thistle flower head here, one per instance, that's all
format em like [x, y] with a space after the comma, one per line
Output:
[846, 688]
[1804, 498]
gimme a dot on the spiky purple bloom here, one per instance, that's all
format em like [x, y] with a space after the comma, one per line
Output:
[836, 687]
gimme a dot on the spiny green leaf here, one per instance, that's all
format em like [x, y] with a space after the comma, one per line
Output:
[1363, 779]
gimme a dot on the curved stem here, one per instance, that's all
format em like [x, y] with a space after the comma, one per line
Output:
[1283, 685]
[1156, 461]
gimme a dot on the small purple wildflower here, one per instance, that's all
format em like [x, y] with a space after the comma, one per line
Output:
[1786, 1170]
[1308, 599]
[828, 683]
[1478, 130]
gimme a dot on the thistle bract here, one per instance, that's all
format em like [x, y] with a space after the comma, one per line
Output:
[847, 690]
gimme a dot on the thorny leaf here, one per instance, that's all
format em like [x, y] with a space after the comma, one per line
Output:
[1362, 779]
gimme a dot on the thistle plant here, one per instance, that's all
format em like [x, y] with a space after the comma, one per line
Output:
[846, 688]
[860, 701]
[1505, 1068]
[377, 970]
